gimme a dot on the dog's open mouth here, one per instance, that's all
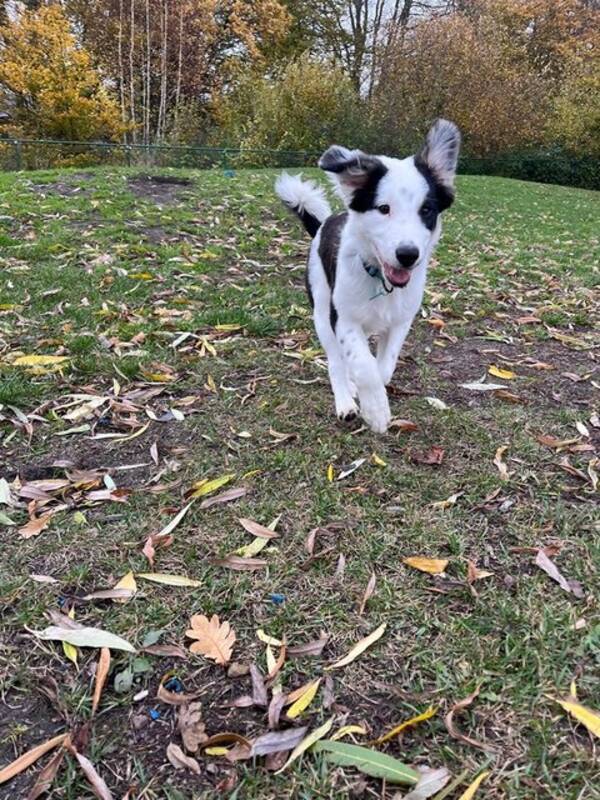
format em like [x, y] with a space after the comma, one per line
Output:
[397, 276]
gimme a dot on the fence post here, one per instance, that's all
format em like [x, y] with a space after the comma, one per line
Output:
[128, 154]
[18, 155]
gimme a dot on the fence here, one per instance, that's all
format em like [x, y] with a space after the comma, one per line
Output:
[29, 154]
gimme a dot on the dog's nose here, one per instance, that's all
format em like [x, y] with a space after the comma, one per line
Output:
[407, 256]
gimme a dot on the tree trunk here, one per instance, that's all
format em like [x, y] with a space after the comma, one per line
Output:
[121, 67]
[131, 71]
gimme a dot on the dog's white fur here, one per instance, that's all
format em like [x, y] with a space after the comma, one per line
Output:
[372, 237]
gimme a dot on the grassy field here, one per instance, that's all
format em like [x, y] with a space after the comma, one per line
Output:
[186, 352]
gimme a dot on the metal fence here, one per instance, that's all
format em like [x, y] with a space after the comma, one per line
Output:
[29, 154]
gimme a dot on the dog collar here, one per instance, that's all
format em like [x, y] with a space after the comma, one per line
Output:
[375, 272]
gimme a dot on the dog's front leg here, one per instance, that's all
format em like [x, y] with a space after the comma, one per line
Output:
[364, 374]
[388, 350]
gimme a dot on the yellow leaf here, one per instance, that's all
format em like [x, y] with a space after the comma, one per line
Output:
[434, 566]
[431, 711]
[252, 549]
[587, 717]
[347, 730]
[159, 377]
[307, 742]
[216, 751]
[360, 647]
[330, 472]
[210, 384]
[70, 650]
[304, 700]
[126, 582]
[141, 276]
[502, 373]
[168, 580]
[39, 361]
[204, 487]
[228, 327]
[266, 639]
[378, 461]
[470, 793]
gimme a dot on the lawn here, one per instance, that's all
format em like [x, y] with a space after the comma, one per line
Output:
[183, 351]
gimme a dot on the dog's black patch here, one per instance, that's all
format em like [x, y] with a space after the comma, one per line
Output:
[328, 253]
[363, 198]
[310, 222]
[311, 299]
[333, 315]
[439, 197]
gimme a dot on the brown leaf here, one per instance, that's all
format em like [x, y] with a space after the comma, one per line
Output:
[174, 698]
[166, 650]
[239, 563]
[102, 671]
[314, 648]
[30, 757]
[259, 691]
[215, 640]
[99, 788]
[226, 738]
[278, 664]
[256, 529]
[474, 574]
[368, 592]
[510, 397]
[328, 695]
[179, 759]
[237, 670]
[225, 497]
[404, 425]
[572, 587]
[278, 701]
[277, 741]
[500, 464]
[45, 777]
[454, 731]
[36, 525]
[554, 443]
[244, 701]
[191, 727]
[275, 761]
[434, 456]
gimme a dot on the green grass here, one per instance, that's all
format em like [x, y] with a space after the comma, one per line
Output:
[111, 281]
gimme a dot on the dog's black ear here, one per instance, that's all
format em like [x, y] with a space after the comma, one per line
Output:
[355, 173]
[440, 151]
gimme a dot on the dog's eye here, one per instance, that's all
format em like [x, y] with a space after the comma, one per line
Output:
[427, 209]
[384, 209]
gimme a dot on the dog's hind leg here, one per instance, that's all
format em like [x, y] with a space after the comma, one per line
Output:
[345, 407]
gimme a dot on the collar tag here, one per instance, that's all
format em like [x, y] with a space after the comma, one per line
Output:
[375, 272]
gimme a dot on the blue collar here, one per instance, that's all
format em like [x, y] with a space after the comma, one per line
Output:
[375, 272]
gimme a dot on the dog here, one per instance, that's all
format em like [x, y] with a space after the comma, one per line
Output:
[367, 266]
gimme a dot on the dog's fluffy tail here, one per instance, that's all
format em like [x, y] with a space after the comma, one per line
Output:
[305, 199]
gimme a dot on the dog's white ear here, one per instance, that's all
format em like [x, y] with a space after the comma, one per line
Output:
[351, 170]
[440, 151]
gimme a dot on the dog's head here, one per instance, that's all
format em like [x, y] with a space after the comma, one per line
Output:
[397, 203]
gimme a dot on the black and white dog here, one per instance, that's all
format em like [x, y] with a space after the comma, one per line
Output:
[367, 266]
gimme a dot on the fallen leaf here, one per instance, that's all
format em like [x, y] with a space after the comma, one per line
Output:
[554, 443]
[127, 582]
[266, 639]
[168, 580]
[470, 792]
[239, 562]
[68, 649]
[307, 742]
[454, 731]
[102, 671]
[215, 640]
[110, 594]
[330, 473]
[179, 759]
[170, 527]
[253, 549]
[483, 387]
[305, 699]
[204, 487]
[314, 648]
[505, 374]
[371, 762]
[367, 594]
[502, 468]
[587, 717]
[359, 647]
[404, 425]
[227, 738]
[259, 691]
[43, 578]
[379, 462]
[348, 730]
[39, 361]
[475, 574]
[448, 502]
[351, 468]
[165, 650]
[191, 727]
[430, 782]
[36, 525]
[45, 777]
[433, 566]
[100, 788]
[173, 698]
[550, 568]
[433, 457]
[30, 757]
[277, 741]
[227, 496]
[256, 529]
[430, 712]
[436, 403]
[86, 637]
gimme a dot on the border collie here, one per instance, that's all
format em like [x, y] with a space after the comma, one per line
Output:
[367, 266]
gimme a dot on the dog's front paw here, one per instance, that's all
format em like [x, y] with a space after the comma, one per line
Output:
[377, 415]
[346, 411]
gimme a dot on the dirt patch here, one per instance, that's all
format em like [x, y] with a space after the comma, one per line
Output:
[161, 189]
[58, 189]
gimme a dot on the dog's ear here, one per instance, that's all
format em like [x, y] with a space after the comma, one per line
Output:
[351, 170]
[440, 151]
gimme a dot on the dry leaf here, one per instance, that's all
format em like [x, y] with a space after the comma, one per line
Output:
[431, 781]
[502, 468]
[505, 374]
[174, 522]
[368, 593]
[174, 698]
[204, 487]
[256, 529]
[215, 640]
[474, 574]
[96, 782]
[259, 691]
[266, 639]
[127, 582]
[277, 741]
[304, 700]
[359, 647]
[239, 563]
[348, 730]
[453, 730]
[191, 727]
[225, 497]
[313, 737]
[433, 457]
[276, 706]
[448, 502]
[165, 650]
[168, 580]
[102, 671]
[587, 717]
[45, 777]
[433, 566]
[470, 792]
[314, 648]
[179, 759]
[110, 594]
[30, 757]
[430, 712]
[404, 425]
[86, 637]
[36, 525]
[550, 568]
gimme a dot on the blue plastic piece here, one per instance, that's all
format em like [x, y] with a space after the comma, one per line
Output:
[154, 714]
[277, 599]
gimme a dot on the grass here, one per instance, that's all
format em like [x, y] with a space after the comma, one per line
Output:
[112, 280]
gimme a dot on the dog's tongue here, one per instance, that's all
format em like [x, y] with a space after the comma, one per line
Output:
[397, 277]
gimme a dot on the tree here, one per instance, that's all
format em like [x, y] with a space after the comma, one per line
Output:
[50, 80]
